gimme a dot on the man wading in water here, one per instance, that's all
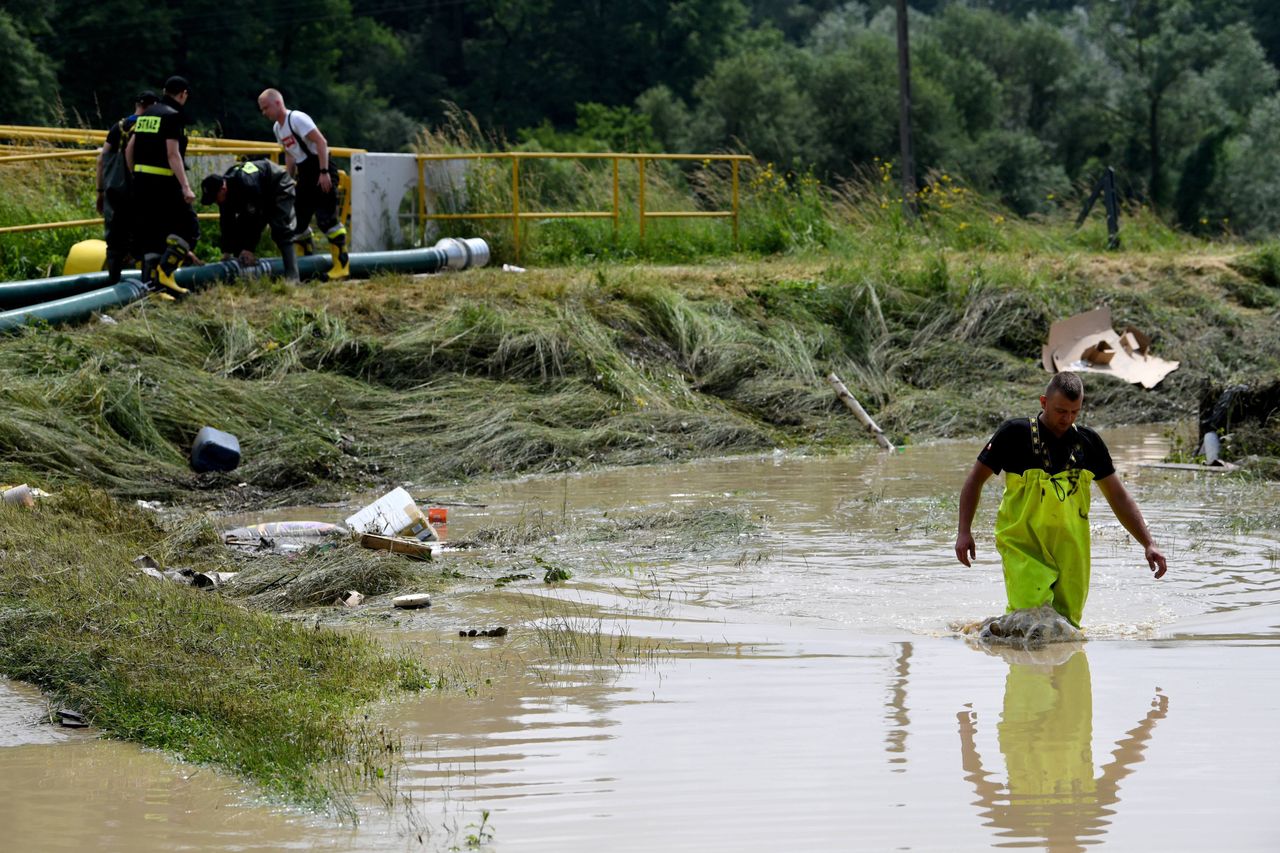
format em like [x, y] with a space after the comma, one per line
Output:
[1042, 526]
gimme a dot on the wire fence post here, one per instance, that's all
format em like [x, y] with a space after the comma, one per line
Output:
[904, 114]
[616, 196]
[421, 231]
[1112, 203]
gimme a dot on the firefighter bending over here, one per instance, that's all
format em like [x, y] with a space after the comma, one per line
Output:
[250, 196]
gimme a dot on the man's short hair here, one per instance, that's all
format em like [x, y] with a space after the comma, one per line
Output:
[1067, 384]
[209, 189]
[146, 98]
[176, 85]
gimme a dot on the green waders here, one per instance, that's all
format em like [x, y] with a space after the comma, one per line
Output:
[1042, 534]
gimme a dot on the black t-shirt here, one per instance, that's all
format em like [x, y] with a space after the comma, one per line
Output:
[152, 129]
[1011, 449]
[118, 135]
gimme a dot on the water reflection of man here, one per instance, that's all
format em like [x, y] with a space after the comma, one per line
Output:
[1046, 733]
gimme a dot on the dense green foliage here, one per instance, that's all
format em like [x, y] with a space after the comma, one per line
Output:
[1028, 99]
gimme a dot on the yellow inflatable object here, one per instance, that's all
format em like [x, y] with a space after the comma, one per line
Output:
[86, 256]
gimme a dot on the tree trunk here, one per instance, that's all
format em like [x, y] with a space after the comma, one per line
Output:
[1155, 184]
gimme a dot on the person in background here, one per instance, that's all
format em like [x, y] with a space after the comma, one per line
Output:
[307, 158]
[166, 224]
[250, 196]
[114, 187]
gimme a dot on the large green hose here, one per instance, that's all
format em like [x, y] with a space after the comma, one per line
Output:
[15, 294]
[72, 309]
[73, 298]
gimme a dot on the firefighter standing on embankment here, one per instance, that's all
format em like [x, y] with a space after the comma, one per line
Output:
[307, 157]
[114, 187]
[166, 227]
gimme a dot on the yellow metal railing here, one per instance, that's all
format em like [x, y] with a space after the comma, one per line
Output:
[517, 215]
[196, 145]
[28, 148]
[25, 148]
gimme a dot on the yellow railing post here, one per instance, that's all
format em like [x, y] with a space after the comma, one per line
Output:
[735, 204]
[515, 204]
[615, 198]
[640, 172]
[421, 230]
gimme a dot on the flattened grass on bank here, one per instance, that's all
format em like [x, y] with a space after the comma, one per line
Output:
[182, 669]
[333, 388]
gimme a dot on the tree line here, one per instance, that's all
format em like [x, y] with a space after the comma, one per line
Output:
[1025, 99]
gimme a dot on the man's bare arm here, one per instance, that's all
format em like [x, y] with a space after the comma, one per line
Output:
[970, 493]
[102, 155]
[322, 158]
[179, 170]
[1126, 510]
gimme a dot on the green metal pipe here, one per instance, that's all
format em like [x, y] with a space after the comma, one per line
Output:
[71, 309]
[15, 294]
[73, 298]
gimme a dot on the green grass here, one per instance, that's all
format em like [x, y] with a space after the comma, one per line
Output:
[332, 388]
[184, 670]
[34, 193]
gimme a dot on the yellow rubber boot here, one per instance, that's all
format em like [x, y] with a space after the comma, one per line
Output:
[341, 262]
[304, 244]
[175, 253]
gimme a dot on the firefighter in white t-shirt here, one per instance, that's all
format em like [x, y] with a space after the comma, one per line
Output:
[307, 158]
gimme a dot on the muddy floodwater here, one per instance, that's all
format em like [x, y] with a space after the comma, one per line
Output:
[796, 685]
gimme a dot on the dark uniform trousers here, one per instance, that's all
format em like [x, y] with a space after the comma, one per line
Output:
[158, 207]
[313, 201]
[161, 211]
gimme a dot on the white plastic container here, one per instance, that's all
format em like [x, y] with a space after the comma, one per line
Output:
[393, 514]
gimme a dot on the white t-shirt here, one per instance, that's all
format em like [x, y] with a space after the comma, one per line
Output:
[292, 134]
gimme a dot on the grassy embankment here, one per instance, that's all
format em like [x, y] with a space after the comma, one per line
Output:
[937, 327]
[190, 672]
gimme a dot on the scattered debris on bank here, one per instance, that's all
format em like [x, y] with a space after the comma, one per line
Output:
[500, 631]
[214, 450]
[22, 495]
[394, 514]
[185, 576]
[283, 536]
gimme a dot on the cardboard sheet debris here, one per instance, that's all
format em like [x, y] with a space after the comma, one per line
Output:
[1086, 343]
[397, 545]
